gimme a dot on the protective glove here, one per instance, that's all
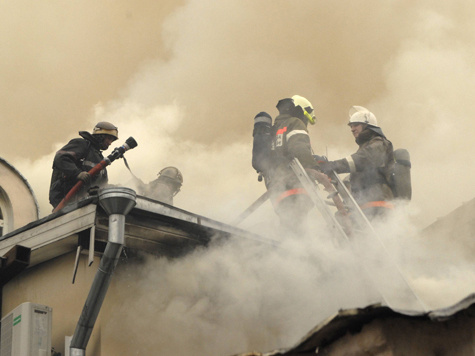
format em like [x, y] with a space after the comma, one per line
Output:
[84, 177]
[316, 175]
[320, 158]
[326, 167]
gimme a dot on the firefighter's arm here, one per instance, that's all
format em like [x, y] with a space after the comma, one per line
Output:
[339, 166]
[67, 159]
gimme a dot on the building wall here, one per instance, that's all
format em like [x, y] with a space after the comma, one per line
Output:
[404, 336]
[50, 284]
[119, 329]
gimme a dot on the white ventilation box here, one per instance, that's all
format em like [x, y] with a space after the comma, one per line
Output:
[26, 331]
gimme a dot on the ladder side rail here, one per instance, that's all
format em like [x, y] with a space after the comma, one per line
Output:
[314, 194]
[380, 260]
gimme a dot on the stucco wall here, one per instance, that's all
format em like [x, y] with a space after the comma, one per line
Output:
[50, 284]
[401, 336]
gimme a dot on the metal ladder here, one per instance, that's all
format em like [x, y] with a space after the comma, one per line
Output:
[364, 241]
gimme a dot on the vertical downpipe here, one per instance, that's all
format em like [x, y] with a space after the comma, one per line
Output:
[117, 202]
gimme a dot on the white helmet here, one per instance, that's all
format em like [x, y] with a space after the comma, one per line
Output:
[359, 114]
[306, 106]
[106, 128]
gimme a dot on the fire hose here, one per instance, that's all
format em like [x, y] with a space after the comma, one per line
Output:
[118, 152]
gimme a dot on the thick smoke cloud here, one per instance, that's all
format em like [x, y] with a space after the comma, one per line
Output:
[59, 59]
[185, 78]
[219, 64]
[246, 295]
[240, 296]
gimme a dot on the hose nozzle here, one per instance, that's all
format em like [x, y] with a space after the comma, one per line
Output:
[131, 143]
[119, 151]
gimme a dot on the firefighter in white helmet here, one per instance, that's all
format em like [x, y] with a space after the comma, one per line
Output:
[370, 166]
[73, 161]
[290, 140]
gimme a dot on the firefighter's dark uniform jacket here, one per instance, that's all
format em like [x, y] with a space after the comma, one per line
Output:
[290, 139]
[370, 169]
[161, 190]
[80, 154]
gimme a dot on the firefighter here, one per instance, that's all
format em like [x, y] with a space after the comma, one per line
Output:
[72, 162]
[290, 140]
[370, 167]
[166, 186]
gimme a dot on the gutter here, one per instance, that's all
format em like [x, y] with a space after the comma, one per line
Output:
[117, 202]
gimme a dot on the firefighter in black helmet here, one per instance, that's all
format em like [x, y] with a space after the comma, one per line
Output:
[166, 186]
[73, 161]
[290, 140]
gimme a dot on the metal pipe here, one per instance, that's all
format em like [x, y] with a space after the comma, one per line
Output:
[117, 202]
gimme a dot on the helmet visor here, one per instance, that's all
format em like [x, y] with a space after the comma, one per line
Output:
[309, 114]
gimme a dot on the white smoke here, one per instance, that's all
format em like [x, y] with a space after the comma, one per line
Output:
[243, 295]
[430, 83]
[410, 64]
[239, 295]
[191, 106]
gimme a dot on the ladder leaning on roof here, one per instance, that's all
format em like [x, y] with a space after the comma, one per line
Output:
[363, 239]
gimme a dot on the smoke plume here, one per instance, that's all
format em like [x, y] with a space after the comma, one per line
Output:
[219, 64]
[185, 79]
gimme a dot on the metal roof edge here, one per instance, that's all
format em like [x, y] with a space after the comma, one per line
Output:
[65, 210]
[157, 207]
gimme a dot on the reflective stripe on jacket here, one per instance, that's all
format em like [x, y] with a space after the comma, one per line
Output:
[290, 139]
[288, 193]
